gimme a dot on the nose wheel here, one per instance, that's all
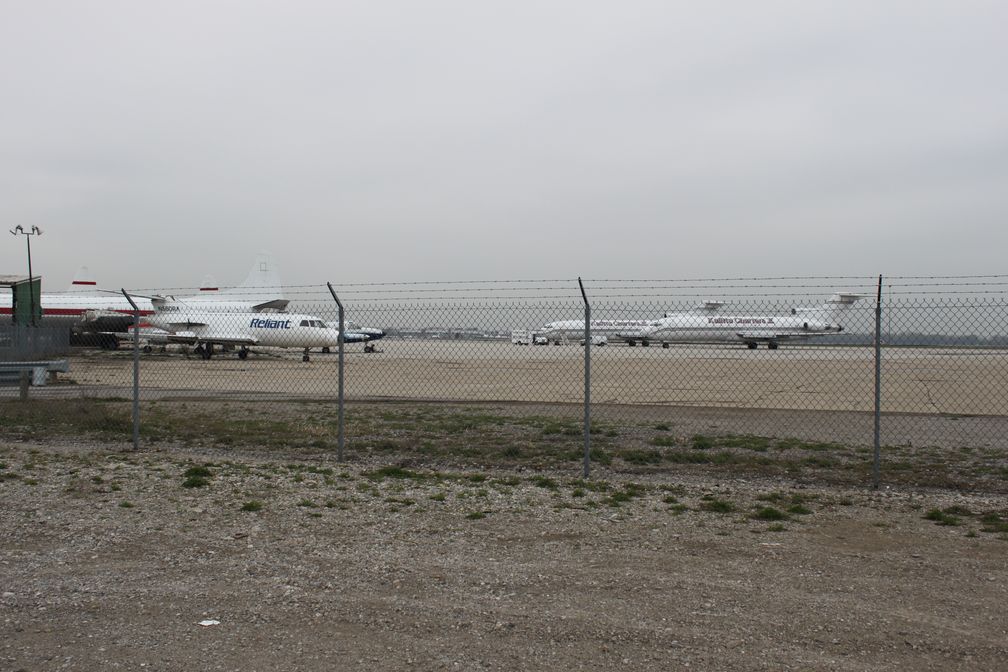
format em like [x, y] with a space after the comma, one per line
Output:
[304, 357]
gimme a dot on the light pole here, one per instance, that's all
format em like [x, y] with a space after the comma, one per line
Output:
[35, 231]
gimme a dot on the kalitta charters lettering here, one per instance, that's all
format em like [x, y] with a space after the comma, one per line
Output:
[260, 323]
[740, 320]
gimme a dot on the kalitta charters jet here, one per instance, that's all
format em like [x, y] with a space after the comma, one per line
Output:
[697, 327]
[208, 325]
[562, 330]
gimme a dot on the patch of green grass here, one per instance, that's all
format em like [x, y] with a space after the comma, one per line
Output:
[747, 442]
[195, 482]
[438, 497]
[198, 472]
[769, 513]
[663, 427]
[125, 505]
[665, 441]
[394, 472]
[717, 506]
[307, 503]
[688, 457]
[630, 491]
[799, 509]
[701, 442]
[252, 505]
[642, 456]
[476, 515]
[545, 482]
[776, 527]
[940, 517]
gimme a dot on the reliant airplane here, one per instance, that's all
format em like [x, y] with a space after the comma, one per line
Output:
[696, 327]
[192, 323]
[98, 317]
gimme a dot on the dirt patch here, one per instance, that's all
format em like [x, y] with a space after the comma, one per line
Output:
[107, 561]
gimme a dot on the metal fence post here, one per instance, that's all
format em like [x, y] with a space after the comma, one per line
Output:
[587, 381]
[876, 467]
[339, 341]
[136, 371]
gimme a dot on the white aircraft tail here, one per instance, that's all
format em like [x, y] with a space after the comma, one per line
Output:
[834, 308]
[262, 283]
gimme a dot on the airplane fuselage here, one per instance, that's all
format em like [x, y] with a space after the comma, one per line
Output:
[282, 330]
[72, 309]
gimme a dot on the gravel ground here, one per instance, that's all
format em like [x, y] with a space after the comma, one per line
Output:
[108, 562]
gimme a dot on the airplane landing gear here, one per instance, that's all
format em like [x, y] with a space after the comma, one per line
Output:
[645, 343]
[243, 353]
[631, 343]
[665, 345]
[204, 351]
[305, 358]
[325, 350]
[772, 345]
[148, 349]
[751, 345]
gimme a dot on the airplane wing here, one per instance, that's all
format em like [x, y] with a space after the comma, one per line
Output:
[229, 339]
[191, 337]
[773, 335]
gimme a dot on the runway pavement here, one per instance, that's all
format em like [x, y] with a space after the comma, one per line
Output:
[914, 380]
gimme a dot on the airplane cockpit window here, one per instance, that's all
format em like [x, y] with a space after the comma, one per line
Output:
[304, 323]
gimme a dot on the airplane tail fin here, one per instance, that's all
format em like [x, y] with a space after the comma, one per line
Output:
[83, 281]
[260, 285]
[833, 309]
[263, 281]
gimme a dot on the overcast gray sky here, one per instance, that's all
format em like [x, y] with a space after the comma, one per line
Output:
[157, 142]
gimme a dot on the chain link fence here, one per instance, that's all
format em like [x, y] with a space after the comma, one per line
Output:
[673, 368]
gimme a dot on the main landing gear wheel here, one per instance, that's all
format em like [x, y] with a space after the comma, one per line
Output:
[243, 353]
[148, 349]
[304, 358]
[772, 345]
[665, 345]
[751, 346]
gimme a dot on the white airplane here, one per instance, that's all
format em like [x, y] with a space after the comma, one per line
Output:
[196, 323]
[101, 318]
[694, 326]
[562, 330]
[356, 333]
